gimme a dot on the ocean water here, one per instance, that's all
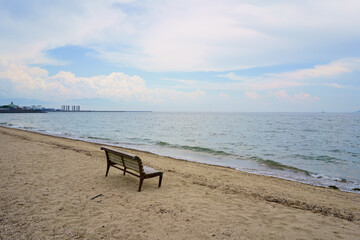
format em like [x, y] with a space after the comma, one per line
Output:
[318, 148]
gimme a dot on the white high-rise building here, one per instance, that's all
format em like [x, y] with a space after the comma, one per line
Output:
[66, 108]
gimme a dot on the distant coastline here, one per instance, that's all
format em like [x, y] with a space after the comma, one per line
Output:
[102, 111]
[21, 111]
[13, 108]
[44, 111]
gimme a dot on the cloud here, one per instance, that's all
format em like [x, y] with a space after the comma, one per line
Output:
[203, 38]
[305, 97]
[183, 35]
[252, 95]
[301, 96]
[233, 76]
[35, 82]
[267, 84]
[323, 71]
[227, 35]
[183, 81]
[335, 85]
[319, 74]
[223, 95]
[282, 95]
[31, 29]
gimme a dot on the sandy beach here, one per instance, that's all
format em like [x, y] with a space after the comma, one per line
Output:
[46, 186]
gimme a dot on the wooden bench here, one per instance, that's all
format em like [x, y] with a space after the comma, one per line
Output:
[129, 164]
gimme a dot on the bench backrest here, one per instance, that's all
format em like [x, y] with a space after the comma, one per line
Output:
[125, 159]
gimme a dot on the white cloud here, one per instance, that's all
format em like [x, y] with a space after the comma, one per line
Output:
[267, 84]
[281, 94]
[335, 85]
[342, 86]
[213, 35]
[322, 71]
[305, 97]
[301, 96]
[223, 95]
[183, 35]
[35, 27]
[233, 76]
[252, 95]
[35, 82]
[183, 81]
[319, 74]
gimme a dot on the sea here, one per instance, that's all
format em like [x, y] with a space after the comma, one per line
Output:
[321, 149]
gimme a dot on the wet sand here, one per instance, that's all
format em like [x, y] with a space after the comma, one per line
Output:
[46, 186]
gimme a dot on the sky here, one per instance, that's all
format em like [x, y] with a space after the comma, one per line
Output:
[180, 55]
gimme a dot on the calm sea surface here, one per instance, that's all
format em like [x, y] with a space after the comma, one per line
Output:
[317, 148]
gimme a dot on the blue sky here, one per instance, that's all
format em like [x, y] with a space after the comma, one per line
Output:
[242, 56]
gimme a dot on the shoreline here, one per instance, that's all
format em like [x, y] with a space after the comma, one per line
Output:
[297, 177]
[47, 183]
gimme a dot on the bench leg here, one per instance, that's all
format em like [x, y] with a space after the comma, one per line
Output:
[140, 184]
[107, 169]
[160, 179]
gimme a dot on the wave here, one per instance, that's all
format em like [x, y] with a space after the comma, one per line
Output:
[321, 158]
[99, 138]
[277, 165]
[269, 163]
[328, 159]
[310, 130]
[6, 124]
[194, 148]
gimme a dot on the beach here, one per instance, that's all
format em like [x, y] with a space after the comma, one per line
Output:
[47, 184]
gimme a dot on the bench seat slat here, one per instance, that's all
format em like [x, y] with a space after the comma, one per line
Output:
[132, 164]
[115, 159]
[129, 163]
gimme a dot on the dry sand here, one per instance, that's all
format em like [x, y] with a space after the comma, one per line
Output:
[46, 186]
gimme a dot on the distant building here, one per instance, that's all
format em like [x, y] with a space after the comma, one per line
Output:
[10, 106]
[66, 108]
[74, 108]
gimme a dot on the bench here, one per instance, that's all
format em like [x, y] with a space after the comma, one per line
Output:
[130, 164]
